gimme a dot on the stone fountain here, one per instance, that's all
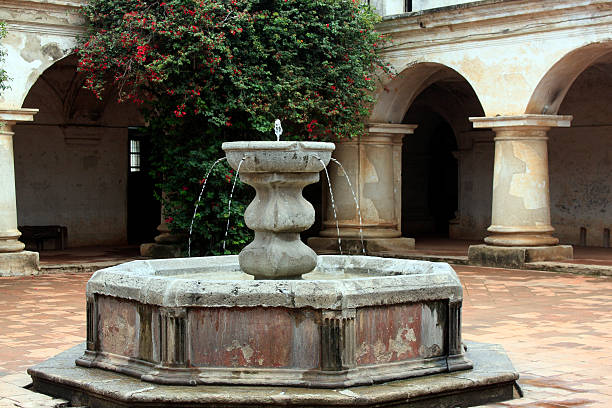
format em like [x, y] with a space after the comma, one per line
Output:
[276, 325]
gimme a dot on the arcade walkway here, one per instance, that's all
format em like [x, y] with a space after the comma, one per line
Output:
[587, 260]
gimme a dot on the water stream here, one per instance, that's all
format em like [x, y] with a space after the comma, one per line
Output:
[333, 203]
[229, 204]
[348, 180]
[195, 210]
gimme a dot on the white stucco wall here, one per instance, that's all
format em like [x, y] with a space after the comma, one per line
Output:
[387, 7]
[430, 4]
[391, 7]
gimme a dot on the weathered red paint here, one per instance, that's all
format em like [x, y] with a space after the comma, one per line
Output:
[387, 334]
[253, 337]
[117, 326]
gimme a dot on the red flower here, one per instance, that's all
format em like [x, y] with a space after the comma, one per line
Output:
[169, 220]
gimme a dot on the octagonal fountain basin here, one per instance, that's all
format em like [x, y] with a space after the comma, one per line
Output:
[353, 320]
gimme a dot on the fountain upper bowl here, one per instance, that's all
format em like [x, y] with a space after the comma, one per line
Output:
[277, 157]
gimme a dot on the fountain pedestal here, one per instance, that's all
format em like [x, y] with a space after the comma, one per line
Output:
[278, 171]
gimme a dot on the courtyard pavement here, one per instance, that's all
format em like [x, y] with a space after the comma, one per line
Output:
[556, 328]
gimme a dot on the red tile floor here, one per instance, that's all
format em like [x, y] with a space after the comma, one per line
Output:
[556, 328]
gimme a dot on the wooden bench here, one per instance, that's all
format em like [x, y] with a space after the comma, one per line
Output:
[37, 234]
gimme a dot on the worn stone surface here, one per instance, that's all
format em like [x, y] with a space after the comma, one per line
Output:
[218, 281]
[492, 379]
[522, 305]
[254, 337]
[516, 257]
[19, 263]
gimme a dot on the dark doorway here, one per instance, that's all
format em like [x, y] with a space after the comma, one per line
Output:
[144, 211]
[429, 175]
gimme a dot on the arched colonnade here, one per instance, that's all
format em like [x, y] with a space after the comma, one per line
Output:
[501, 114]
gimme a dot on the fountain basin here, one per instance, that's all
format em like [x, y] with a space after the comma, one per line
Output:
[353, 320]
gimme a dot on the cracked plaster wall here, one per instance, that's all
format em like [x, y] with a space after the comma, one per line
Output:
[38, 35]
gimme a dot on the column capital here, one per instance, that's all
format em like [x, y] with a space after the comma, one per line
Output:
[391, 128]
[543, 122]
[12, 116]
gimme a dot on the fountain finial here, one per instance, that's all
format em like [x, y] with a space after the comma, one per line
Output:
[278, 129]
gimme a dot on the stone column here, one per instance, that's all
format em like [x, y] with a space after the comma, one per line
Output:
[520, 229]
[13, 259]
[374, 165]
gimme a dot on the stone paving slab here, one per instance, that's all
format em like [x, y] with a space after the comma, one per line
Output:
[556, 328]
[13, 394]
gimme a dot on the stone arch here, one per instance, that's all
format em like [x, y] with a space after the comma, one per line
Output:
[439, 100]
[552, 88]
[396, 97]
[58, 92]
[29, 55]
[75, 154]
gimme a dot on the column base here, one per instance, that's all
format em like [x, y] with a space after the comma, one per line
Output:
[155, 250]
[11, 245]
[352, 246]
[521, 240]
[21, 263]
[517, 256]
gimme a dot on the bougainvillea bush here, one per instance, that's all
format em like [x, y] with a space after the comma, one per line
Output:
[207, 71]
